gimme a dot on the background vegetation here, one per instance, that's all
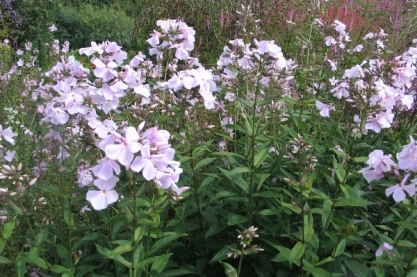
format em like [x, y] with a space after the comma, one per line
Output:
[321, 220]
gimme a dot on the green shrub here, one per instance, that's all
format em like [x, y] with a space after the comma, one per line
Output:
[88, 23]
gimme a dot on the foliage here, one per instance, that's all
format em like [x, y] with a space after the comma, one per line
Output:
[263, 161]
[89, 23]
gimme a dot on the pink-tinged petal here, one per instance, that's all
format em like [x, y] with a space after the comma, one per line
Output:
[113, 150]
[111, 197]
[149, 171]
[138, 164]
[125, 157]
[386, 245]
[131, 134]
[134, 147]
[163, 180]
[391, 190]
[97, 199]
[399, 195]
[410, 189]
[178, 190]
[379, 252]
[103, 170]
[371, 175]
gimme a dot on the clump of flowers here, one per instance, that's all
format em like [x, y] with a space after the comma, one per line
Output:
[380, 166]
[246, 237]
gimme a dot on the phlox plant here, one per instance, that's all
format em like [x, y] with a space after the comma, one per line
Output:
[261, 165]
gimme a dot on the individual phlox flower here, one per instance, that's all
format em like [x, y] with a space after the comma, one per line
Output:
[379, 122]
[10, 155]
[380, 162]
[104, 169]
[124, 151]
[85, 209]
[270, 47]
[7, 134]
[169, 178]
[385, 247]
[324, 108]
[330, 41]
[105, 71]
[105, 196]
[180, 80]
[94, 48]
[407, 158]
[339, 27]
[341, 90]
[149, 163]
[84, 178]
[397, 190]
[52, 28]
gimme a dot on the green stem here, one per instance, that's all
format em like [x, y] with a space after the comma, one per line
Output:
[133, 269]
[240, 262]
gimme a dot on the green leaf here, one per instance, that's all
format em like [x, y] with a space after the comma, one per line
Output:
[159, 244]
[238, 180]
[407, 225]
[354, 202]
[41, 236]
[152, 260]
[245, 102]
[229, 270]
[122, 260]
[340, 171]
[262, 180]
[2, 245]
[203, 162]
[290, 131]
[216, 228]
[20, 264]
[406, 243]
[69, 219]
[89, 238]
[380, 272]
[33, 254]
[269, 212]
[236, 127]
[139, 232]
[8, 228]
[359, 269]
[283, 255]
[296, 252]
[160, 264]
[237, 219]
[317, 272]
[60, 269]
[222, 254]
[16, 209]
[4, 260]
[238, 170]
[260, 157]
[120, 250]
[340, 248]
[103, 251]
[51, 189]
[326, 260]
[360, 159]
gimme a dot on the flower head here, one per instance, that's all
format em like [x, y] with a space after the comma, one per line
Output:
[385, 247]
[397, 191]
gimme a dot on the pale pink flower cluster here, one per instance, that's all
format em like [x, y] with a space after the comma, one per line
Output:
[155, 162]
[380, 166]
[175, 34]
[393, 90]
